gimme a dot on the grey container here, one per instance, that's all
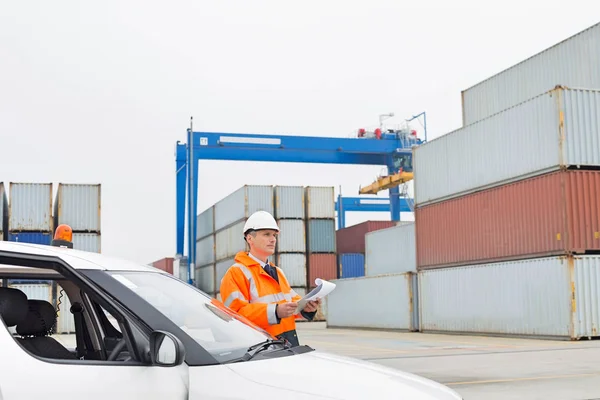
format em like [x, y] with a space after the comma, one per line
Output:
[356, 302]
[230, 241]
[321, 235]
[79, 206]
[320, 202]
[574, 62]
[242, 203]
[391, 250]
[30, 207]
[545, 297]
[294, 268]
[205, 223]
[220, 271]
[292, 236]
[3, 209]
[205, 278]
[289, 202]
[205, 250]
[91, 242]
[557, 129]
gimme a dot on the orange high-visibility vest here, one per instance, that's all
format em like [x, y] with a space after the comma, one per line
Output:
[250, 291]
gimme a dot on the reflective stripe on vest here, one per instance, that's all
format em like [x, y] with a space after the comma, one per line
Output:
[254, 297]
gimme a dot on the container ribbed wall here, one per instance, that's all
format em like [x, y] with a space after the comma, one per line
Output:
[205, 278]
[555, 297]
[524, 141]
[289, 202]
[230, 241]
[352, 265]
[30, 207]
[346, 309]
[294, 268]
[205, 251]
[323, 266]
[87, 242]
[79, 206]
[292, 237]
[321, 235]
[3, 209]
[320, 202]
[205, 224]
[547, 215]
[391, 250]
[574, 62]
[352, 238]
[31, 237]
[242, 203]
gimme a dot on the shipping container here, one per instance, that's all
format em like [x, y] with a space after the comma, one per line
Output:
[352, 265]
[34, 291]
[30, 237]
[205, 250]
[391, 250]
[322, 266]
[30, 207]
[3, 209]
[220, 271]
[181, 268]
[574, 62]
[545, 297]
[352, 238]
[321, 236]
[242, 203]
[552, 214]
[230, 241]
[79, 206]
[164, 264]
[289, 202]
[87, 242]
[557, 129]
[292, 237]
[320, 202]
[205, 278]
[205, 223]
[357, 302]
[65, 321]
[294, 267]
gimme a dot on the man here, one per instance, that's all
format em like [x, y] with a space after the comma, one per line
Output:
[257, 289]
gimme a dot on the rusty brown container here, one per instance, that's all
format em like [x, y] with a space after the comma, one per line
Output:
[553, 214]
[322, 266]
[165, 264]
[352, 238]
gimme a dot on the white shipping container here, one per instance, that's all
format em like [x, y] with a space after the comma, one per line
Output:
[294, 268]
[292, 237]
[320, 202]
[79, 206]
[242, 203]
[546, 297]
[87, 242]
[356, 302]
[205, 224]
[289, 202]
[574, 62]
[527, 140]
[205, 250]
[65, 321]
[34, 291]
[220, 270]
[391, 250]
[205, 278]
[230, 241]
[30, 207]
[3, 207]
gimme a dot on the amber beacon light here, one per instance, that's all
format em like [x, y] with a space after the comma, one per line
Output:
[63, 236]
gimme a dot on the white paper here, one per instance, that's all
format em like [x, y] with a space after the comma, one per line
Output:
[323, 289]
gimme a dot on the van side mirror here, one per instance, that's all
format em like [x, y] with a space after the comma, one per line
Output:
[166, 349]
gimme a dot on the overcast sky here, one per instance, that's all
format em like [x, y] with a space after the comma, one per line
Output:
[99, 92]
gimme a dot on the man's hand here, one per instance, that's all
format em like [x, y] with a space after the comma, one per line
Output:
[312, 305]
[285, 310]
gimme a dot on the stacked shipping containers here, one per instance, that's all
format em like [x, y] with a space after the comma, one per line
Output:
[386, 296]
[79, 206]
[30, 213]
[508, 207]
[3, 212]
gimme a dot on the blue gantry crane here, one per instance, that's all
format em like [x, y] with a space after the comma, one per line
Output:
[391, 149]
[365, 204]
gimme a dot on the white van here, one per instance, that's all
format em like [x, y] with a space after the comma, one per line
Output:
[141, 333]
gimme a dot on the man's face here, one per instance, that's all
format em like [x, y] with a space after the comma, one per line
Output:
[263, 242]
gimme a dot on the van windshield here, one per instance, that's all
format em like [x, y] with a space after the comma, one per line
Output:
[223, 333]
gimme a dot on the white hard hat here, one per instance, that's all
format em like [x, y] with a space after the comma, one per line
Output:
[260, 220]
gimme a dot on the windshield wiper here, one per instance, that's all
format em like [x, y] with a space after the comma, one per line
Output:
[259, 347]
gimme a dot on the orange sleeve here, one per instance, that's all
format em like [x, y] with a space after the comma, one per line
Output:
[235, 294]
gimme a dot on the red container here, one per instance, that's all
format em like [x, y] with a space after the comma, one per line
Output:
[165, 264]
[352, 238]
[322, 266]
[553, 214]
